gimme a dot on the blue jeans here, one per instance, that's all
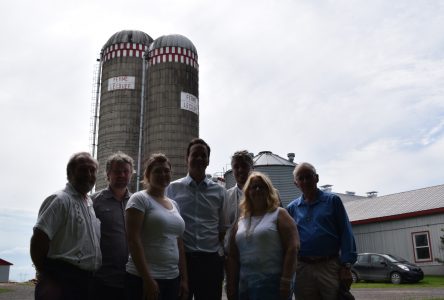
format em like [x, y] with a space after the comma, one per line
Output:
[260, 287]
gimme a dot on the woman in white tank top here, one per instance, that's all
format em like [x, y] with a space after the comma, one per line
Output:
[156, 267]
[263, 246]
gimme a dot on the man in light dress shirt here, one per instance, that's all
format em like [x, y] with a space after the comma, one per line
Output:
[242, 165]
[201, 204]
[65, 245]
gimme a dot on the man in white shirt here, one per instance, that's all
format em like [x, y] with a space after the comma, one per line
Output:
[241, 165]
[201, 203]
[65, 245]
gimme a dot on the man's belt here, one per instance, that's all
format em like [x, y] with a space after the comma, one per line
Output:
[316, 259]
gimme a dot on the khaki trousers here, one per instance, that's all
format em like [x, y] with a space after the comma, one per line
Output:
[318, 281]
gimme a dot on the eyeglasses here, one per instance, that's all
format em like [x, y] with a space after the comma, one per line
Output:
[257, 187]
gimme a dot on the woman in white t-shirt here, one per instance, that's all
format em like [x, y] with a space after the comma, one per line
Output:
[156, 267]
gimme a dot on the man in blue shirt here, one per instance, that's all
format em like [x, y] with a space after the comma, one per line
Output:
[202, 206]
[327, 243]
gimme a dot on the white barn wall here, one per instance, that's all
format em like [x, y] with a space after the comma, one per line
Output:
[4, 273]
[395, 237]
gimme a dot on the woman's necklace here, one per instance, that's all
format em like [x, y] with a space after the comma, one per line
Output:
[250, 229]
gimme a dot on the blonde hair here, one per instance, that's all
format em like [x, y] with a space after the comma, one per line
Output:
[272, 195]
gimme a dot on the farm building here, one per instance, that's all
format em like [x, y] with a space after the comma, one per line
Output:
[4, 270]
[407, 224]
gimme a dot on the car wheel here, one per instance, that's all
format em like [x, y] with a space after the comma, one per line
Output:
[355, 277]
[395, 278]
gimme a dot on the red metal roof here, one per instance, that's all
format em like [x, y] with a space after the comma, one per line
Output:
[420, 202]
[5, 263]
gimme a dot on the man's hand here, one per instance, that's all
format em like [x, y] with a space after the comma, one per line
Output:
[285, 288]
[345, 276]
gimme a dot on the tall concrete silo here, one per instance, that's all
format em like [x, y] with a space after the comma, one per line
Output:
[120, 97]
[172, 107]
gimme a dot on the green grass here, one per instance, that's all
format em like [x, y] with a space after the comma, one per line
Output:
[4, 290]
[427, 282]
[7, 289]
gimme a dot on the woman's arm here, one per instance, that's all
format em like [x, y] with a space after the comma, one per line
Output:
[183, 292]
[290, 246]
[134, 221]
[233, 267]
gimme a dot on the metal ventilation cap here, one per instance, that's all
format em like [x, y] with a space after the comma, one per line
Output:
[265, 158]
[173, 40]
[129, 36]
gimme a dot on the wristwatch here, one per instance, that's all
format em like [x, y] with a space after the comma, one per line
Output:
[347, 265]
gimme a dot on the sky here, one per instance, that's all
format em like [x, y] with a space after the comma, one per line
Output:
[354, 87]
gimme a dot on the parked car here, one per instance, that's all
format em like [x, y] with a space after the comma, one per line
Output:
[385, 267]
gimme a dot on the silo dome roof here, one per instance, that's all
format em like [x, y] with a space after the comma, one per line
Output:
[173, 40]
[129, 36]
[266, 158]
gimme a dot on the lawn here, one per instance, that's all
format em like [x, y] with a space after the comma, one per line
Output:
[2, 290]
[427, 282]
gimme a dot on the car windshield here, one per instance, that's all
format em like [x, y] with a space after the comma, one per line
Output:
[393, 258]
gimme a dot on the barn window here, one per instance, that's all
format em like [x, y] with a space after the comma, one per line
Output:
[421, 244]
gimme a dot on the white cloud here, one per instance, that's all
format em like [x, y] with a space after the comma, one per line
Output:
[346, 85]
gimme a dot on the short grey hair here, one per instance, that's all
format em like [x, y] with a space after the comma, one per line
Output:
[303, 165]
[118, 157]
[242, 155]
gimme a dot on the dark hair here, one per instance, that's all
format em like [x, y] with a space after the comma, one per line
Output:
[154, 159]
[198, 141]
[74, 159]
[118, 157]
[242, 155]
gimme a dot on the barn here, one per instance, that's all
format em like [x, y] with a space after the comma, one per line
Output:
[407, 224]
[4, 270]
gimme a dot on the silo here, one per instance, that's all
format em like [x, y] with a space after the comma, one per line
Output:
[120, 97]
[172, 107]
[278, 169]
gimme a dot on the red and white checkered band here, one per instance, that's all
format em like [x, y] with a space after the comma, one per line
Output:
[123, 50]
[173, 54]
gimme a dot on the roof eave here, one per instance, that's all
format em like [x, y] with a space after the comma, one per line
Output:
[426, 212]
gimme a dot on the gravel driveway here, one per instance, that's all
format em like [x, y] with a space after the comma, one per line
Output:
[26, 292]
[19, 291]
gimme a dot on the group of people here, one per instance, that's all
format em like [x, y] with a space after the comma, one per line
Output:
[183, 239]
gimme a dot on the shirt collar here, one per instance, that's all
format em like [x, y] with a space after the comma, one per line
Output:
[189, 180]
[319, 198]
[109, 194]
[71, 190]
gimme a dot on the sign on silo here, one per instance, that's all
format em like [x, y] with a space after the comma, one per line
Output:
[121, 83]
[189, 102]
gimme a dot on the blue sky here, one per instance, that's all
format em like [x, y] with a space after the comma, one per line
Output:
[354, 87]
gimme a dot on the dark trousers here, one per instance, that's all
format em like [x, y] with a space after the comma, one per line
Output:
[205, 275]
[100, 291]
[168, 288]
[62, 281]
